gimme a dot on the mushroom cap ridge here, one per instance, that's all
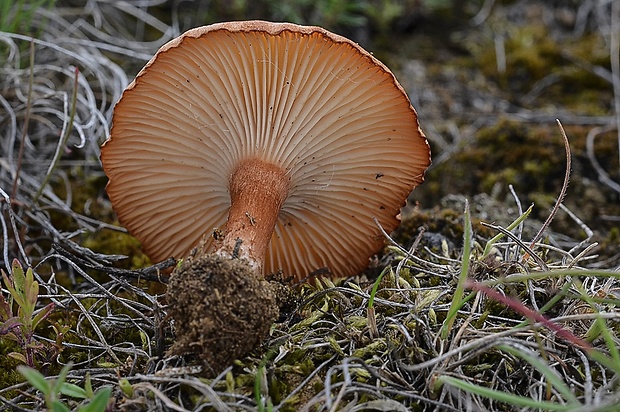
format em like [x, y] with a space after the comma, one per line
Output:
[310, 101]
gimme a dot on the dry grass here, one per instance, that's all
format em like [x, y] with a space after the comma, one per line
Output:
[442, 327]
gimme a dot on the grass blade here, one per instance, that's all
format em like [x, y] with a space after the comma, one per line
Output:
[542, 367]
[504, 397]
[457, 299]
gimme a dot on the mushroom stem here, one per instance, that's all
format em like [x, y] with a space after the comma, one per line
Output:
[257, 192]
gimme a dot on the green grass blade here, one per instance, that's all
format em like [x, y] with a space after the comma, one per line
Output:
[549, 373]
[60, 380]
[99, 403]
[515, 223]
[73, 390]
[58, 406]
[42, 315]
[375, 287]
[457, 299]
[504, 397]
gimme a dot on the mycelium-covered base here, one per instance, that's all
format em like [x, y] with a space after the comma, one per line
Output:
[221, 309]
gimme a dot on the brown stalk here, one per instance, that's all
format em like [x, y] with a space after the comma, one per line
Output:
[562, 195]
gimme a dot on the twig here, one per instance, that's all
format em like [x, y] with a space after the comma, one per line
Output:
[581, 255]
[483, 13]
[151, 273]
[520, 227]
[160, 395]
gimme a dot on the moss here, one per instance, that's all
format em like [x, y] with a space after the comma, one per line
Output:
[8, 372]
[443, 230]
[579, 89]
[530, 53]
[507, 176]
[611, 242]
[531, 158]
[554, 67]
[525, 153]
[117, 243]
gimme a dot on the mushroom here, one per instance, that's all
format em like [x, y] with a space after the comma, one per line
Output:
[283, 142]
[272, 146]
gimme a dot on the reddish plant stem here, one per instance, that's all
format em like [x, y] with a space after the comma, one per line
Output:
[530, 314]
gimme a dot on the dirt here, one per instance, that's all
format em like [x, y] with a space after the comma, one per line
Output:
[221, 309]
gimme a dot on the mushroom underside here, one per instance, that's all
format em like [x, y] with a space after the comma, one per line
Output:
[311, 103]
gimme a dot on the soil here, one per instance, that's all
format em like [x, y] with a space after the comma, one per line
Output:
[220, 308]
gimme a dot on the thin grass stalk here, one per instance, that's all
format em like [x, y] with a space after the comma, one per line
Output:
[261, 391]
[514, 224]
[63, 140]
[562, 194]
[528, 250]
[504, 397]
[549, 373]
[457, 299]
[370, 310]
[22, 144]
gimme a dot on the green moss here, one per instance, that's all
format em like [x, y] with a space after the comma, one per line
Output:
[531, 51]
[507, 176]
[610, 244]
[558, 69]
[117, 243]
[8, 372]
[531, 158]
[86, 192]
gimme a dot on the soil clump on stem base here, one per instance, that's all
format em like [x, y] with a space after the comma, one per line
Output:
[221, 309]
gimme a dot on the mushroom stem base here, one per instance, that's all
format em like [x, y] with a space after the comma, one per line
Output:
[221, 309]
[258, 190]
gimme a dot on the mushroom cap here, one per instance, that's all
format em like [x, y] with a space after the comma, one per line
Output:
[305, 99]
